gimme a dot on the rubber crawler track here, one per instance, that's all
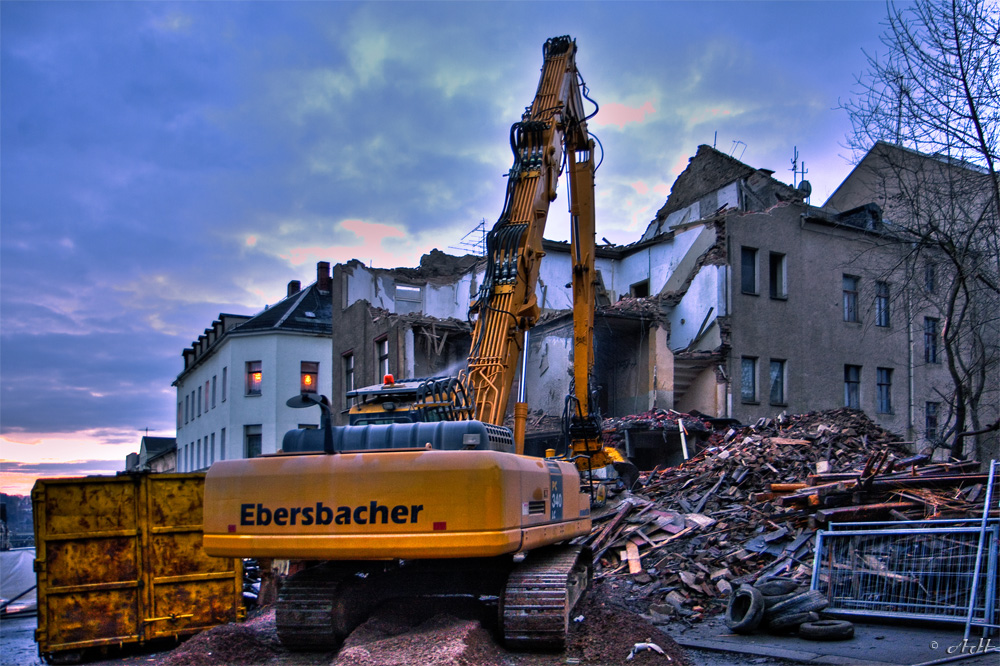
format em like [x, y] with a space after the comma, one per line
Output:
[540, 595]
[311, 613]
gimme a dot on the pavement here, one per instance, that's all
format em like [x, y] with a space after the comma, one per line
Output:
[872, 645]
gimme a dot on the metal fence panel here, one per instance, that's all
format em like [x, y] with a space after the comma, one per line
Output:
[923, 572]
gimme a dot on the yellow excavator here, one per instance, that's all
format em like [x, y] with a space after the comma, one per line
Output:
[425, 492]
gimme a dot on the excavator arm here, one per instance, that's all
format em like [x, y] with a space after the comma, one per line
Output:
[551, 135]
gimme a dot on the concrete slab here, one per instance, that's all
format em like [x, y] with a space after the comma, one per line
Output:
[872, 645]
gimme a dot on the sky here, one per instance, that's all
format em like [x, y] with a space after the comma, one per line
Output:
[161, 163]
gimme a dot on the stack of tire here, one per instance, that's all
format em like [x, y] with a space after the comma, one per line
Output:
[781, 606]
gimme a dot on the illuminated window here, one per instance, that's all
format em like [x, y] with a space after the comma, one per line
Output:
[309, 377]
[254, 377]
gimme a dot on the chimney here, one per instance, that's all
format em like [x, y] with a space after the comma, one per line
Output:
[323, 275]
[293, 287]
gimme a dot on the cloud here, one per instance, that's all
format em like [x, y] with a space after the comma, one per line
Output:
[621, 115]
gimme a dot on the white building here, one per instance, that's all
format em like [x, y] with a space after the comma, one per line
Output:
[239, 373]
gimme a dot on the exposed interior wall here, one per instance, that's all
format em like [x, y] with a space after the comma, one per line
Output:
[661, 364]
[706, 394]
[702, 303]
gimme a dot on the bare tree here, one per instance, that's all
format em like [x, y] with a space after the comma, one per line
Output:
[926, 129]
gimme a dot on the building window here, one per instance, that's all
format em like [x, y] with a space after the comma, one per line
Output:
[930, 277]
[214, 384]
[187, 407]
[309, 374]
[254, 377]
[206, 396]
[211, 450]
[251, 441]
[851, 298]
[931, 410]
[748, 270]
[930, 340]
[199, 400]
[190, 456]
[748, 379]
[883, 379]
[382, 358]
[408, 299]
[882, 304]
[180, 413]
[776, 271]
[222, 444]
[225, 382]
[639, 289]
[348, 361]
[197, 454]
[852, 386]
[777, 382]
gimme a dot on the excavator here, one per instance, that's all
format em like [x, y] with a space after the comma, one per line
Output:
[425, 492]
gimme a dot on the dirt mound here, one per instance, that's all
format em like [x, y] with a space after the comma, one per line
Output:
[608, 633]
[251, 643]
[451, 632]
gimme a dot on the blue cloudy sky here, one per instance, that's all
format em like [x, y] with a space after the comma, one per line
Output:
[161, 163]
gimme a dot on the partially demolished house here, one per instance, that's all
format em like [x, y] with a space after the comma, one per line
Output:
[740, 300]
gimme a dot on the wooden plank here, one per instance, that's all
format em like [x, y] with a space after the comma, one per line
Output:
[634, 560]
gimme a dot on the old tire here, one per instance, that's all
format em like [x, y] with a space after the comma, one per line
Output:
[776, 586]
[772, 600]
[786, 622]
[745, 610]
[827, 630]
[813, 600]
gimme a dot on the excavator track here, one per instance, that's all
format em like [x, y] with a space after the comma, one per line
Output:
[314, 612]
[540, 594]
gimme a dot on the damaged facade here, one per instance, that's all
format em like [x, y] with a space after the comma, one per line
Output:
[740, 300]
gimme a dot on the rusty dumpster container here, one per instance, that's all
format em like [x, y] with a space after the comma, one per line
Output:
[119, 560]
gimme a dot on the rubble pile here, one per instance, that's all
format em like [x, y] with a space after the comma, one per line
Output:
[613, 429]
[747, 507]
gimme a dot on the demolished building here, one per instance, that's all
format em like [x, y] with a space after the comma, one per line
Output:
[740, 300]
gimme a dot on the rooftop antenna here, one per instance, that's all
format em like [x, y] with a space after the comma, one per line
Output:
[796, 170]
[736, 144]
[474, 242]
